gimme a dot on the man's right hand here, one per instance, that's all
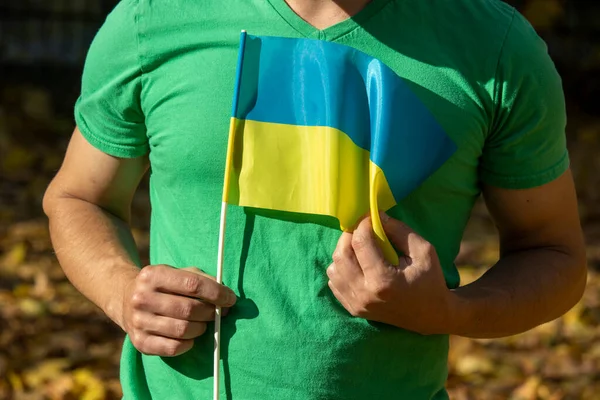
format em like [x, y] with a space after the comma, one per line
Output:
[165, 308]
[88, 204]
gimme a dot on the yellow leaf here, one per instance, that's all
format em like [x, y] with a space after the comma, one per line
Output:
[528, 390]
[15, 382]
[22, 290]
[46, 371]
[31, 308]
[572, 318]
[471, 364]
[91, 387]
[15, 256]
[17, 159]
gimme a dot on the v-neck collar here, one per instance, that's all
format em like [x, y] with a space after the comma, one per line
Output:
[333, 32]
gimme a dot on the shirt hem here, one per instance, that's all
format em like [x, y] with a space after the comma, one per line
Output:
[112, 149]
[529, 181]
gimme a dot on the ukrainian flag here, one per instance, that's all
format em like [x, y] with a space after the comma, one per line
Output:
[322, 128]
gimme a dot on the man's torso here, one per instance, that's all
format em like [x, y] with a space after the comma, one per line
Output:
[288, 337]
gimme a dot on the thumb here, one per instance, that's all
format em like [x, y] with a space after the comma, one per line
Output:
[403, 237]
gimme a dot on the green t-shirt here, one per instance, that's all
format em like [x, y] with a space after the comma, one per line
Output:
[159, 79]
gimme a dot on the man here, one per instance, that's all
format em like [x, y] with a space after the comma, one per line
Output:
[157, 90]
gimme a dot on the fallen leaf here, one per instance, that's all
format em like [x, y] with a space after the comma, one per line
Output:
[14, 257]
[90, 386]
[528, 390]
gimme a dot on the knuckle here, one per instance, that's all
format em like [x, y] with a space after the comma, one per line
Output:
[337, 257]
[139, 299]
[192, 284]
[147, 272]
[181, 328]
[428, 249]
[174, 348]
[140, 342]
[171, 350]
[137, 321]
[146, 275]
[342, 254]
[134, 338]
[330, 272]
[358, 240]
[186, 310]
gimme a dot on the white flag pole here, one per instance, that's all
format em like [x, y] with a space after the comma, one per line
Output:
[217, 368]
[217, 358]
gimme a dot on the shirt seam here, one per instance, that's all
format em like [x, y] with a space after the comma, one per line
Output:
[495, 100]
[373, 15]
[136, 20]
[286, 20]
[140, 66]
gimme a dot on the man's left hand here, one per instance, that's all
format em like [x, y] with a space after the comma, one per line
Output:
[412, 295]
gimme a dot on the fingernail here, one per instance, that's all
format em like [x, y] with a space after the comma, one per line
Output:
[232, 298]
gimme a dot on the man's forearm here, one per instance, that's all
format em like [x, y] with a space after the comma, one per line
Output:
[96, 251]
[523, 290]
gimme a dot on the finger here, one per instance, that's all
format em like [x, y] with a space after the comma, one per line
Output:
[168, 327]
[340, 297]
[160, 345]
[199, 271]
[345, 265]
[369, 255]
[169, 305]
[171, 280]
[337, 280]
[404, 238]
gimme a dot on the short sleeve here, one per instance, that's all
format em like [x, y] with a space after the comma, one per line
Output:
[526, 145]
[108, 112]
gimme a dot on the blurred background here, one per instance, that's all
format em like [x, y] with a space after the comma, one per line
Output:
[54, 344]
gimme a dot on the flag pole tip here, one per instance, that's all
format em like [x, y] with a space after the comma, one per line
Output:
[243, 31]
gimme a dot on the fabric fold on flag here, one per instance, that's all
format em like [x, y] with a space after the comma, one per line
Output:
[322, 128]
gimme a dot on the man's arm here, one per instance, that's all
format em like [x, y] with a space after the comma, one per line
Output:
[542, 269]
[88, 205]
[540, 275]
